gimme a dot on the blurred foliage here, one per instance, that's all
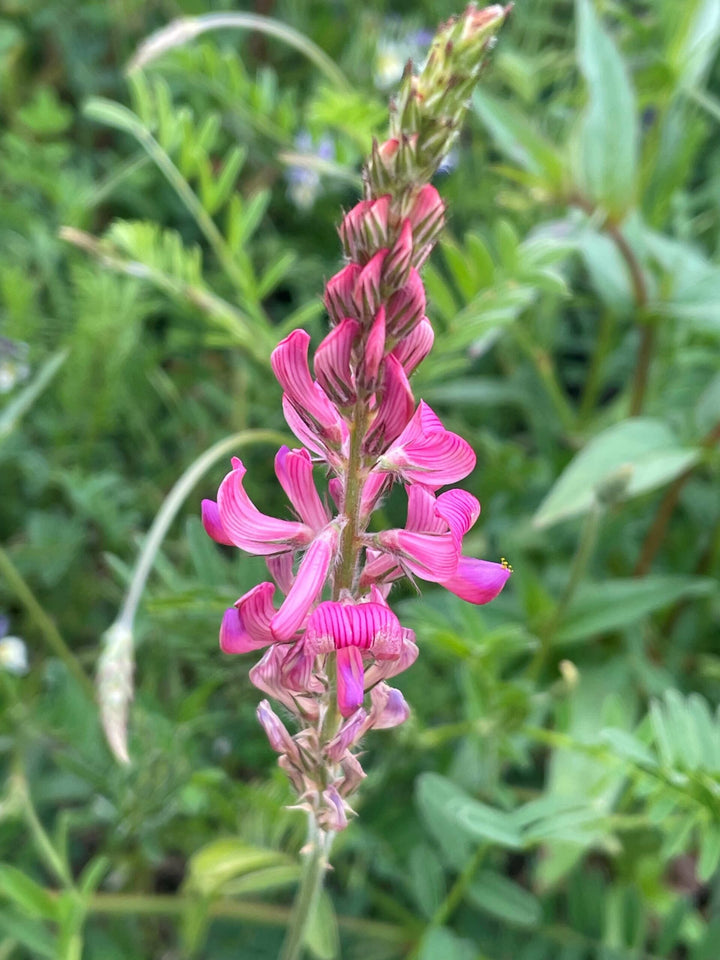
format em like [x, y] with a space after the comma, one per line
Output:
[556, 793]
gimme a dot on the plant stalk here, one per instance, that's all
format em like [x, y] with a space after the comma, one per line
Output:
[311, 880]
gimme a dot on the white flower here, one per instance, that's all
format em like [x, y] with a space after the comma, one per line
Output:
[13, 655]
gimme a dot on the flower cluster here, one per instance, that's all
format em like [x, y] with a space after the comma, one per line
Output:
[331, 640]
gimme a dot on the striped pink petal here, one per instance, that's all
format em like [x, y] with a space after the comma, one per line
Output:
[373, 352]
[332, 362]
[339, 290]
[281, 570]
[396, 268]
[366, 295]
[459, 509]
[385, 669]
[294, 470]
[477, 581]
[427, 453]
[348, 734]
[395, 408]
[368, 626]
[256, 611]
[406, 307]
[249, 529]
[413, 348]
[432, 557]
[309, 581]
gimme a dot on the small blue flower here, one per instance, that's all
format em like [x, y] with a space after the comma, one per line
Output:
[304, 180]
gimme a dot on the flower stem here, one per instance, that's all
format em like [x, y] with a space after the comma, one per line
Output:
[353, 491]
[311, 880]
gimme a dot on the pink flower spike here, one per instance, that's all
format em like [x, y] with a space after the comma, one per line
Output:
[412, 349]
[339, 289]
[406, 307]
[389, 708]
[373, 352]
[477, 581]
[432, 557]
[234, 638]
[427, 453]
[247, 527]
[212, 524]
[256, 611]
[308, 583]
[332, 362]
[289, 361]
[395, 409]
[350, 674]
[294, 470]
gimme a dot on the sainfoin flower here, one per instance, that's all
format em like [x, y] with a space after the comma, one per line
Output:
[328, 638]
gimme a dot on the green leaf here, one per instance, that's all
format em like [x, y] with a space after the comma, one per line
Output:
[605, 151]
[454, 809]
[33, 899]
[500, 897]
[640, 452]
[615, 604]
[439, 942]
[30, 933]
[15, 410]
[223, 860]
[518, 139]
[321, 934]
[709, 852]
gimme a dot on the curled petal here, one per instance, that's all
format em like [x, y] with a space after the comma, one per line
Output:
[290, 365]
[307, 585]
[350, 673]
[211, 522]
[477, 581]
[256, 612]
[333, 362]
[294, 470]
[247, 527]
[427, 453]
[422, 515]
[414, 347]
[389, 708]
[460, 509]
[234, 638]
[432, 557]
[395, 407]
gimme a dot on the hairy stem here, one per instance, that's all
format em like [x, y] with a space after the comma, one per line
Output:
[311, 880]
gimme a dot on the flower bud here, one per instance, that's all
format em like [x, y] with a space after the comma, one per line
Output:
[396, 268]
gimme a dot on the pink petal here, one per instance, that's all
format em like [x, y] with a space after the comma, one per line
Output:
[427, 453]
[294, 470]
[433, 557]
[374, 487]
[389, 708]
[281, 570]
[365, 228]
[366, 295]
[256, 611]
[277, 734]
[422, 515]
[348, 734]
[373, 352]
[332, 362]
[353, 775]
[309, 581]
[379, 568]
[212, 524]
[414, 347]
[427, 215]
[350, 673]
[332, 815]
[367, 626]
[460, 509]
[247, 527]
[339, 290]
[289, 361]
[477, 581]
[234, 638]
[395, 407]
[406, 307]
[396, 268]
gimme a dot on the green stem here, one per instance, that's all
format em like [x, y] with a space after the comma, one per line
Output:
[583, 553]
[353, 492]
[311, 880]
[593, 380]
[42, 841]
[43, 622]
